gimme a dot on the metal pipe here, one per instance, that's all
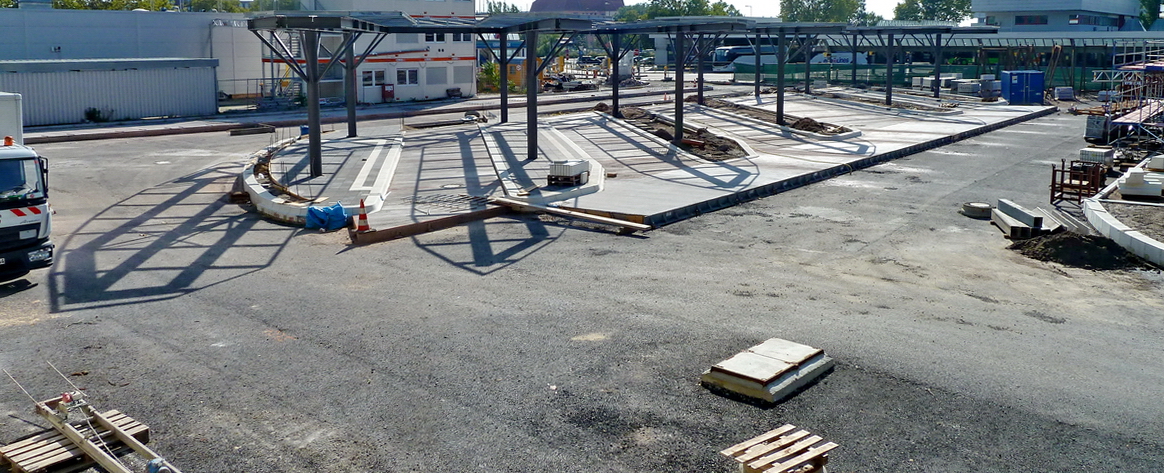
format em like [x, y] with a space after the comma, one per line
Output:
[889, 72]
[699, 47]
[350, 84]
[504, 79]
[781, 57]
[756, 49]
[616, 45]
[310, 42]
[680, 56]
[938, 66]
[807, 64]
[531, 94]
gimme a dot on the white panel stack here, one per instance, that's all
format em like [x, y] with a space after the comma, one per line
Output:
[1137, 182]
[569, 168]
[770, 371]
[1064, 93]
[1105, 156]
[986, 77]
[969, 88]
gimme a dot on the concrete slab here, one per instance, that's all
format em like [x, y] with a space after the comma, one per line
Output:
[770, 371]
[441, 172]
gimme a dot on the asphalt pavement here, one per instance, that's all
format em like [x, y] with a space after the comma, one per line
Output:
[531, 343]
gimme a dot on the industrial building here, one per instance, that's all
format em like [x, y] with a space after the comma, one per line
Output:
[1051, 15]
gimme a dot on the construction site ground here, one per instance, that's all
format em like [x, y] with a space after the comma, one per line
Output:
[529, 343]
[432, 173]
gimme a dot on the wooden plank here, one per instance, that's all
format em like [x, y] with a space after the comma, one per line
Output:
[803, 458]
[66, 452]
[570, 213]
[54, 439]
[102, 458]
[766, 436]
[759, 452]
[47, 449]
[785, 453]
[39, 438]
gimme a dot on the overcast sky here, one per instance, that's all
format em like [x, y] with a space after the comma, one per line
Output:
[762, 7]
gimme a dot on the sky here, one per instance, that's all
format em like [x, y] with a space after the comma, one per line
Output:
[762, 7]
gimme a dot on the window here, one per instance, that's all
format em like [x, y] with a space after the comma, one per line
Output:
[992, 20]
[1030, 20]
[407, 76]
[463, 74]
[372, 78]
[437, 76]
[434, 37]
[462, 37]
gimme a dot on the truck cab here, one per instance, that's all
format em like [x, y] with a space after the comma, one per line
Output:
[25, 216]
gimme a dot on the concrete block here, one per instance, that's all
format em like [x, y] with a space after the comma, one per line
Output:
[1019, 213]
[1137, 244]
[770, 371]
[1011, 227]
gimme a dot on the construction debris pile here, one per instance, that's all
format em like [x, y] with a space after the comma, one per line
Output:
[1080, 251]
[798, 123]
[697, 141]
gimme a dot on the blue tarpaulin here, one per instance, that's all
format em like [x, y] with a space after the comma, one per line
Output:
[333, 217]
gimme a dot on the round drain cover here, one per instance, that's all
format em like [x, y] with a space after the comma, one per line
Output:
[976, 209]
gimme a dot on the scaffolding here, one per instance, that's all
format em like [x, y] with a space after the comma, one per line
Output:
[1134, 102]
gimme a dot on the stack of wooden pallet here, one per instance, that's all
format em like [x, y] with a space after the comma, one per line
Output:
[50, 450]
[782, 450]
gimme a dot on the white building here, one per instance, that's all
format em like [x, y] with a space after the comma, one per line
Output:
[1057, 15]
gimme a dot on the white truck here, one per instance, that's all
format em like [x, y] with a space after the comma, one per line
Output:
[25, 216]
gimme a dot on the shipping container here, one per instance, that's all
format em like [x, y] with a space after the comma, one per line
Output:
[1022, 87]
[73, 91]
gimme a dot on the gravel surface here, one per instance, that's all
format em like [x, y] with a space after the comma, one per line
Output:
[1146, 219]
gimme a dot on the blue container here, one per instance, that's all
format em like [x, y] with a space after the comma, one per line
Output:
[1022, 87]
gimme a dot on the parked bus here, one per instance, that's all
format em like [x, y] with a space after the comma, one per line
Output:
[724, 56]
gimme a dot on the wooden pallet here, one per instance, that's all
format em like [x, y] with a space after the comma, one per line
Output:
[786, 449]
[50, 450]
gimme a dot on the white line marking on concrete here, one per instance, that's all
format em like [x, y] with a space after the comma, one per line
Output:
[384, 178]
[367, 168]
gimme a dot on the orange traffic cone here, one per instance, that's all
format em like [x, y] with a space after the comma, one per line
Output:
[362, 220]
[666, 97]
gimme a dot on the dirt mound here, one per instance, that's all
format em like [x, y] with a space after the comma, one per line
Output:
[602, 107]
[1080, 251]
[634, 113]
[809, 125]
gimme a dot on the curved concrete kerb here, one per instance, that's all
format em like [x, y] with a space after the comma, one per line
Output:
[1107, 225]
[268, 204]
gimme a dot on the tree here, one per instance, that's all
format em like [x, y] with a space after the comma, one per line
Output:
[941, 10]
[1150, 12]
[842, 11]
[7, 3]
[722, 8]
[664, 8]
[494, 8]
[866, 18]
[634, 12]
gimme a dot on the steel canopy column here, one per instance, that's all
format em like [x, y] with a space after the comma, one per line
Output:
[780, 58]
[616, 46]
[350, 84]
[310, 42]
[807, 47]
[756, 49]
[699, 47]
[531, 94]
[853, 82]
[504, 69]
[680, 56]
[938, 66]
[889, 72]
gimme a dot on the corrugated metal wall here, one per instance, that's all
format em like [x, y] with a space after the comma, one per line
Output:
[52, 98]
